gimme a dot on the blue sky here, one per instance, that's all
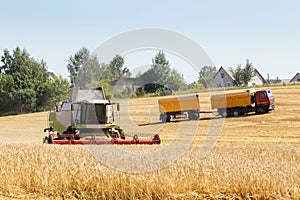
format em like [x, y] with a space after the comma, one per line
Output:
[266, 32]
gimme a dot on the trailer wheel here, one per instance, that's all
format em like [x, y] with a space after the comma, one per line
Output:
[193, 115]
[224, 113]
[165, 117]
[235, 112]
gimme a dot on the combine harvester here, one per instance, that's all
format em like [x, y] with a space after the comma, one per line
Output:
[88, 118]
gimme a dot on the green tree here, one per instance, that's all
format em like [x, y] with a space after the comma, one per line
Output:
[161, 68]
[175, 80]
[248, 72]
[54, 89]
[7, 92]
[24, 83]
[206, 74]
[84, 69]
[75, 63]
[277, 80]
[148, 77]
[7, 60]
[243, 75]
[117, 69]
[237, 75]
[161, 73]
[25, 72]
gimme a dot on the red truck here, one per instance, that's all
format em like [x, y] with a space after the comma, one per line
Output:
[239, 103]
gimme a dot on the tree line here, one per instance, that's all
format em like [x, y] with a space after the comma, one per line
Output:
[86, 71]
[26, 85]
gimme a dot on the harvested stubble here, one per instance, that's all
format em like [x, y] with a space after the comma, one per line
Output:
[257, 156]
[42, 171]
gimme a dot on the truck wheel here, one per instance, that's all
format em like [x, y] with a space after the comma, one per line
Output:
[235, 113]
[260, 110]
[168, 117]
[266, 110]
[193, 115]
[165, 117]
[225, 113]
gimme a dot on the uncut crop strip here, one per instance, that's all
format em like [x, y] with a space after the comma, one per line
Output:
[44, 171]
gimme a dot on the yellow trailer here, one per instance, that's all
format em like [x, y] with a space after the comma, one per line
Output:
[231, 100]
[178, 105]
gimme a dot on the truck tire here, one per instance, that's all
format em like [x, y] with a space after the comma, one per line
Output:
[260, 110]
[165, 117]
[224, 113]
[235, 112]
[193, 115]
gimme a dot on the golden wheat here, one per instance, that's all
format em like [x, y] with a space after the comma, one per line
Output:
[44, 171]
[257, 157]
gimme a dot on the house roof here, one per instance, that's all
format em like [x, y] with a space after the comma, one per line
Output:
[262, 78]
[124, 81]
[229, 73]
[298, 74]
[226, 70]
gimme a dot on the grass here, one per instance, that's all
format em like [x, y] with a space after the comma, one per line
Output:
[69, 172]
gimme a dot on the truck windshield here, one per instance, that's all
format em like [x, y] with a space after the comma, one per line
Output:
[269, 93]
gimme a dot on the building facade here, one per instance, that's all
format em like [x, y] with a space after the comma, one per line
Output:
[296, 78]
[223, 78]
[257, 79]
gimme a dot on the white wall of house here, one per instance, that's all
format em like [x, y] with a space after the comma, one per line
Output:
[223, 79]
[255, 81]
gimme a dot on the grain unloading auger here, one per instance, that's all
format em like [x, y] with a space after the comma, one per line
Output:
[89, 118]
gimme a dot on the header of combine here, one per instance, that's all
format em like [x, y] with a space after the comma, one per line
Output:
[88, 118]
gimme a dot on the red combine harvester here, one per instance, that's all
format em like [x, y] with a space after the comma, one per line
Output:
[89, 118]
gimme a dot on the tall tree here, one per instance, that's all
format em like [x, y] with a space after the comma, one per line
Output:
[248, 72]
[84, 69]
[237, 75]
[23, 82]
[243, 75]
[75, 63]
[206, 74]
[117, 69]
[54, 89]
[161, 68]
[161, 73]
[175, 80]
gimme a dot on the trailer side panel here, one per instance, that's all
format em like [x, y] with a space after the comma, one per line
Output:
[179, 104]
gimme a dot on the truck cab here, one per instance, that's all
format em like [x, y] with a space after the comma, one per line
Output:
[264, 101]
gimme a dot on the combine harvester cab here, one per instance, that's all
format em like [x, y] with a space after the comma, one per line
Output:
[88, 118]
[239, 103]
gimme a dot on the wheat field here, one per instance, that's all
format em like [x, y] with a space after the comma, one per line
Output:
[255, 157]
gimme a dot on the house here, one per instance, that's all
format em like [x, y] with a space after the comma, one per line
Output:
[223, 78]
[257, 79]
[124, 83]
[296, 78]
